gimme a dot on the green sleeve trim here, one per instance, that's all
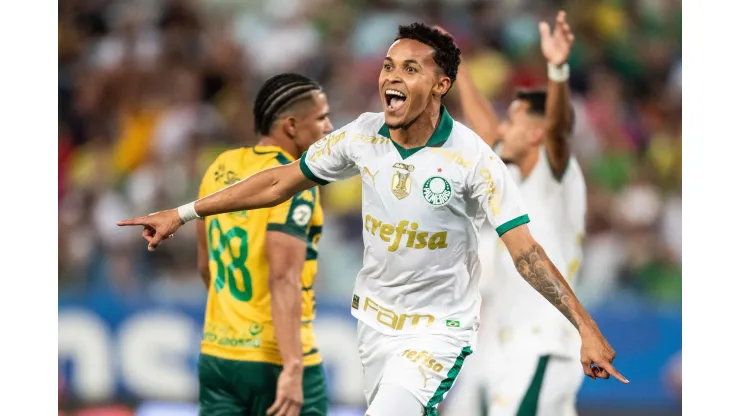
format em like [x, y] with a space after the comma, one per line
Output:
[307, 172]
[290, 229]
[503, 228]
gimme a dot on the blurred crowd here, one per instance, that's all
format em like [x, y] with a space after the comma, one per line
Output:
[151, 91]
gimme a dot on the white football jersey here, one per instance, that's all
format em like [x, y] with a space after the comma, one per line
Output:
[422, 210]
[558, 213]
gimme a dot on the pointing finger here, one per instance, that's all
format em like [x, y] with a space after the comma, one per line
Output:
[613, 371]
[133, 221]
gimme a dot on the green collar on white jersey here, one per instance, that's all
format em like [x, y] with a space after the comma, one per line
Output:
[440, 135]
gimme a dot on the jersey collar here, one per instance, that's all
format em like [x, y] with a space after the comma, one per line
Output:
[440, 135]
[263, 150]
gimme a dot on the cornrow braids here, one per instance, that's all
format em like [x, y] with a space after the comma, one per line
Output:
[278, 94]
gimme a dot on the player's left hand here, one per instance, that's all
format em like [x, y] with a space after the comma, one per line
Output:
[597, 356]
[289, 397]
[556, 44]
[157, 227]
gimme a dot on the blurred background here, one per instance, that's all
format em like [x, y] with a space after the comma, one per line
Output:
[151, 91]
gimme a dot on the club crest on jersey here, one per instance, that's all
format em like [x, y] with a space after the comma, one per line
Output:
[437, 191]
[401, 182]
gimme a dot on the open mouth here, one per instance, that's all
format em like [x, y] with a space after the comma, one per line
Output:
[394, 99]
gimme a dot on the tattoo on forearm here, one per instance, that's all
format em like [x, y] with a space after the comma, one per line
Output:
[534, 266]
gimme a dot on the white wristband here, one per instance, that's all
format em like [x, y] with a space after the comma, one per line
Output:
[187, 212]
[558, 73]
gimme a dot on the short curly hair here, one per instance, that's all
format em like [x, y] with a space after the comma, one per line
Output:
[446, 53]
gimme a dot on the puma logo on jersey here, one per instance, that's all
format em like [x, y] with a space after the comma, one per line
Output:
[414, 238]
[425, 360]
[371, 175]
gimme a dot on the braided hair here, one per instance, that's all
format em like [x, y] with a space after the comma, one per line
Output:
[277, 95]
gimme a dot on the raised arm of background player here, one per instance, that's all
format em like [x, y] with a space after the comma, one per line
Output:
[482, 118]
[556, 47]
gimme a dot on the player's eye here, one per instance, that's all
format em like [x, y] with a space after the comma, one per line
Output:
[387, 67]
[410, 69]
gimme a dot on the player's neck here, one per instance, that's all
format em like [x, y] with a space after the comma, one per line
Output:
[528, 162]
[282, 142]
[419, 132]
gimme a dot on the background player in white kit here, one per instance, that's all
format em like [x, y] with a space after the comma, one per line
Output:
[528, 361]
[428, 185]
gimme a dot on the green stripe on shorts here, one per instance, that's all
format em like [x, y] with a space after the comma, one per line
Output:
[528, 407]
[446, 384]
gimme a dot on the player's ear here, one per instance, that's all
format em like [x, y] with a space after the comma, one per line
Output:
[538, 134]
[442, 86]
[288, 124]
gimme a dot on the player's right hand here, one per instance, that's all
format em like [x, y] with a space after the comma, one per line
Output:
[157, 227]
[289, 398]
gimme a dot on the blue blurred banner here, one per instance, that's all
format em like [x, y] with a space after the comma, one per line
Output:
[111, 349]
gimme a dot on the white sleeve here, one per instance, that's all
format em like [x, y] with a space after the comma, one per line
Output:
[330, 159]
[495, 192]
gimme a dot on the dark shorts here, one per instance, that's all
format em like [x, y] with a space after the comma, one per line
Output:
[247, 388]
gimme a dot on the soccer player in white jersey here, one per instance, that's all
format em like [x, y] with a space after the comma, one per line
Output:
[429, 183]
[529, 353]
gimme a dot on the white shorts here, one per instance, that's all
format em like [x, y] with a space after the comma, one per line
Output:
[511, 380]
[424, 365]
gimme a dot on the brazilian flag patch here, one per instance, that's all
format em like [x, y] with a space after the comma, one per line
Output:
[453, 324]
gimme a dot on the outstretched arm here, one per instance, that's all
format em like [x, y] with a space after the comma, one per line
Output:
[532, 263]
[559, 117]
[264, 189]
[267, 188]
[536, 268]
